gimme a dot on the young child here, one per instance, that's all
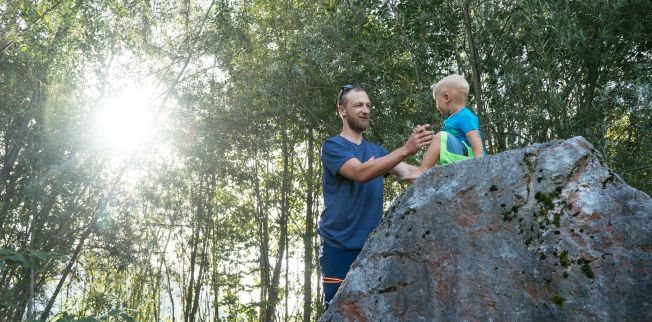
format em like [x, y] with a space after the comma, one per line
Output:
[460, 137]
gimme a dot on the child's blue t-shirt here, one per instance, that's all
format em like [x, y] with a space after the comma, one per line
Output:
[461, 123]
[352, 210]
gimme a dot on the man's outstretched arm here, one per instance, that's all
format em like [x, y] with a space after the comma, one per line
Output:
[406, 171]
[357, 171]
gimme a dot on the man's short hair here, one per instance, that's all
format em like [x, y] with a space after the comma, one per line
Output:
[344, 92]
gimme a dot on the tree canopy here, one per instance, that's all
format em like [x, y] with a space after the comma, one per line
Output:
[160, 159]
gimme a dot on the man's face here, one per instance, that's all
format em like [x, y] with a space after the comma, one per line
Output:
[357, 111]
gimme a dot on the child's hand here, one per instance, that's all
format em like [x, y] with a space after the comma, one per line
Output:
[420, 128]
[419, 138]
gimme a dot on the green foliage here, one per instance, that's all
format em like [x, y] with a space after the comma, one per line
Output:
[29, 259]
[216, 197]
[114, 315]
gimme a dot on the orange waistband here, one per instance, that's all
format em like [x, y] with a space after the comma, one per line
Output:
[331, 280]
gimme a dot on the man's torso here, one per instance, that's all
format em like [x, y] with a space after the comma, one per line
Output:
[351, 209]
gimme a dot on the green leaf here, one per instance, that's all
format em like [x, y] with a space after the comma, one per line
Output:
[70, 318]
[41, 255]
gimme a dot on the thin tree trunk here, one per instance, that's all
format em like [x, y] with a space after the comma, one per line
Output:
[10, 158]
[316, 244]
[406, 42]
[200, 277]
[66, 272]
[263, 239]
[474, 60]
[586, 115]
[189, 289]
[287, 271]
[30, 296]
[213, 238]
[273, 290]
[307, 236]
[216, 288]
[203, 262]
[167, 274]
[193, 256]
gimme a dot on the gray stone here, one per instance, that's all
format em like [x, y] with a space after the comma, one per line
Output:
[543, 233]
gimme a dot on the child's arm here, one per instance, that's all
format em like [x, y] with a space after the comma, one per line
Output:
[476, 143]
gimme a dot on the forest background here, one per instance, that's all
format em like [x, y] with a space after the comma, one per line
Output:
[159, 159]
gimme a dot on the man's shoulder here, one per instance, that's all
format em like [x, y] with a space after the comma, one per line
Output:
[335, 141]
[377, 146]
[342, 141]
[334, 145]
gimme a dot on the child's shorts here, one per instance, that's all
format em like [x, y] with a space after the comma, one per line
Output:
[452, 150]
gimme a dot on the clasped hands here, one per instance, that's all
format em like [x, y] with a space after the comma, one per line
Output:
[419, 138]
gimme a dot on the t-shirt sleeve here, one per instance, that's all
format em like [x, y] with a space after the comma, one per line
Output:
[334, 155]
[383, 152]
[468, 123]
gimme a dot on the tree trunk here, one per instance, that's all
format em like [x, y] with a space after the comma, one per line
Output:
[475, 62]
[200, 277]
[287, 271]
[273, 289]
[167, 275]
[263, 239]
[406, 42]
[66, 272]
[193, 257]
[307, 236]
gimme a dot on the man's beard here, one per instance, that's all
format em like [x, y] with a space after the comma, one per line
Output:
[357, 124]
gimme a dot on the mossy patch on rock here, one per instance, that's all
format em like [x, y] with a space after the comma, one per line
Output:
[563, 259]
[586, 268]
[558, 300]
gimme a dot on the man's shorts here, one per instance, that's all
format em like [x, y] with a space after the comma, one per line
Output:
[452, 150]
[334, 263]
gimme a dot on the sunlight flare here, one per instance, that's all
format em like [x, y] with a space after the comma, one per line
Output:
[126, 122]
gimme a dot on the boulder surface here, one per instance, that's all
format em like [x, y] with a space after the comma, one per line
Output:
[543, 233]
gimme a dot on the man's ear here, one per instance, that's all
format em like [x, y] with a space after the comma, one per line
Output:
[341, 111]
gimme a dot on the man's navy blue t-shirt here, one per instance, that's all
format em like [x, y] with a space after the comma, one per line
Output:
[351, 210]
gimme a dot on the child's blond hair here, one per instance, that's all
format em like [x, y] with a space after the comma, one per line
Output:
[456, 84]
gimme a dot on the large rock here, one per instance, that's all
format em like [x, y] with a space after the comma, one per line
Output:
[542, 233]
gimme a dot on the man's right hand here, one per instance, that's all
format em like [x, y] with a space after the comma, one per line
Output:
[419, 138]
[420, 128]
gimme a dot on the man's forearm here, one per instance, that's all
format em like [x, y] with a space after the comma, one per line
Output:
[373, 168]
[363, 172]
[406, 171]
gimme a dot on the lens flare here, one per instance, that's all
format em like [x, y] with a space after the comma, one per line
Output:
[125, 122]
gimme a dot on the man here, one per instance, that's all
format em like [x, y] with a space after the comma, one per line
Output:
[353, 185]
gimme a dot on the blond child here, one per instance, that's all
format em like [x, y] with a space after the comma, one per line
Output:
[460, 136]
